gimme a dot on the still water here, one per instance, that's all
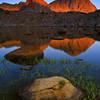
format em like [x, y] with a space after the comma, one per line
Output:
[86, 50]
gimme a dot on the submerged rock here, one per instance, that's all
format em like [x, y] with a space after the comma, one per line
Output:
[26, 68]
[53, 88]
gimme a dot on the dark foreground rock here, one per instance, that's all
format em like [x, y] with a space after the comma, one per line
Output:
[53, 88]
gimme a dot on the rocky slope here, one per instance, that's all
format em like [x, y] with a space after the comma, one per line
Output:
[17, 7]
[51, 19]
[34, 7]
[38, 15]
[42, 2]
[72, 5]
[11, 7]
[58, 5]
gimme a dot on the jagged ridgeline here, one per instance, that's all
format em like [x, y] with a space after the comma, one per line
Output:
[85, 6]
[30, 5]
[72, 5]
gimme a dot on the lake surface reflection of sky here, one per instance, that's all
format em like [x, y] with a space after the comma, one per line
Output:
[4, 51]
[91, 55]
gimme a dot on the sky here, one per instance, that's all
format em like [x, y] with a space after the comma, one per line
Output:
[95, 2]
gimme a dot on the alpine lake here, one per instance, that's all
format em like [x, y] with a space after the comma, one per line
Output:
[26, 56]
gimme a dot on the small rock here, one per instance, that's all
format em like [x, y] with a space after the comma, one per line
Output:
[26, 68]
[98, 25]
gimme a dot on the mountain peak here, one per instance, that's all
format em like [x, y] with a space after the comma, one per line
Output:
[42, 2]
[85, 6]
[17, 7]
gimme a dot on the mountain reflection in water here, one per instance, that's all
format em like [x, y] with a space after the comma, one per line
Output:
[84, 48]
[73, 47]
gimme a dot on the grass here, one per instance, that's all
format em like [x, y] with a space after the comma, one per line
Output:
[4, 98]
[2, 71]
[76, 61]
[75, 71]
[62, 83]
[3, 61]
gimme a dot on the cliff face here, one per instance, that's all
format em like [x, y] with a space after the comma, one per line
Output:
[35, 6]
[41, 2]
[11, 7]
[17, 7]
[72, 5]
[57, 5]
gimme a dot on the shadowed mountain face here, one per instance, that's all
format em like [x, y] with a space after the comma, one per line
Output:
[72, 5]
[73, 47]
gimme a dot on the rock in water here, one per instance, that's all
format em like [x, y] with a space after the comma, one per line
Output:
[72, 5]
[53, 88]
